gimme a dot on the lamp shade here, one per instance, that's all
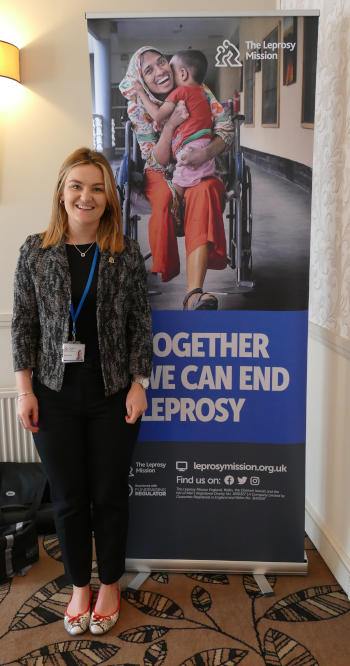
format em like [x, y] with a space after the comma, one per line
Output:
[9, 61]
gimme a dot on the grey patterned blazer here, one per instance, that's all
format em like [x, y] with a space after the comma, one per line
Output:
[42, 298]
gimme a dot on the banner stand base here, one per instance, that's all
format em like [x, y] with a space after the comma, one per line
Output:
[264, 585]
[136, 582]
[213, 566]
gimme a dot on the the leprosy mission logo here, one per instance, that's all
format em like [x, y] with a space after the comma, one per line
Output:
[266, 50]
[227, 55]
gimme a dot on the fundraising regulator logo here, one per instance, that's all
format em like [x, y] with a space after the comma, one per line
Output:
[227, 55]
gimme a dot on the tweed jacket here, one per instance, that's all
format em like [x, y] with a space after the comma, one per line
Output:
[42, 298]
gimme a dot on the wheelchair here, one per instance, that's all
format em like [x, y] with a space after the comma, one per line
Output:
[129, 180]
[238, 182]
[236, 176]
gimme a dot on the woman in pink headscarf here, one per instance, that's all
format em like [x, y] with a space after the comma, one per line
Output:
[203, 225]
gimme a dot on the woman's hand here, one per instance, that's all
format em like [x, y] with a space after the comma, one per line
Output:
[192, 157]
[136, 402]
[195, 157]
[28, 412]
[179, 114]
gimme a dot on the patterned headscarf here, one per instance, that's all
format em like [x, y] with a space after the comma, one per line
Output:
[134, 73]
[141, 120]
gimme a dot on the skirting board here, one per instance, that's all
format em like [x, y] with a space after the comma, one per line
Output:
[221, 566]
[335, 558]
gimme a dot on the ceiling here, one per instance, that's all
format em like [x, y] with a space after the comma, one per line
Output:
[167, 33]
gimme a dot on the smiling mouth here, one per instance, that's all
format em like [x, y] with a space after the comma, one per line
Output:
[84, 207]
[163, 80]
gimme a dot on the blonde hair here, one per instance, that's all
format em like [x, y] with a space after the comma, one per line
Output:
[110, 231]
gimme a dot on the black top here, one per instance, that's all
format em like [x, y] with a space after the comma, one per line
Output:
[86, 324]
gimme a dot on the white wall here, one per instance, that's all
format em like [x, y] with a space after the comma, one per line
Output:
[328, 427]
[289, 139]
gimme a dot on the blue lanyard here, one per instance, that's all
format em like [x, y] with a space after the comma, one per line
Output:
[75, 315]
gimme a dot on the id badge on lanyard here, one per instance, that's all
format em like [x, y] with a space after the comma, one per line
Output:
[74, 351]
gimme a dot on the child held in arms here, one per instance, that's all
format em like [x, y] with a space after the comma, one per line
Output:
[189, 69]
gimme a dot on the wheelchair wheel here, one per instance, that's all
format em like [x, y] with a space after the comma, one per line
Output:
[240, 229]
[246, 259]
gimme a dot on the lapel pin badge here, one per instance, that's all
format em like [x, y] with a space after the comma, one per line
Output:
[111, 260]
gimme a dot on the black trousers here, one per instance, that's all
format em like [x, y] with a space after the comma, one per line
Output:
[86, 447]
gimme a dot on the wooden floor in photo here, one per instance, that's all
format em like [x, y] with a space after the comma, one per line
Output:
[180, 620]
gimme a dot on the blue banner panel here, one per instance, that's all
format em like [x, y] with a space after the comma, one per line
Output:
[218, 472]
[228, 376]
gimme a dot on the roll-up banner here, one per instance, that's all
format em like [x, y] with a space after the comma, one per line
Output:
[217, 478]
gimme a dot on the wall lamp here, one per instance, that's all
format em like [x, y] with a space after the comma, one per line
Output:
[9, 61]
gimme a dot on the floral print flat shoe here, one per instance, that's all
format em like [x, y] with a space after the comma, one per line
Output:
[100, 624]
[77, 624]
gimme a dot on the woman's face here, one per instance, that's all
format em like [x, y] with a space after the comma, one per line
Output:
[84, 195]
[157, 73]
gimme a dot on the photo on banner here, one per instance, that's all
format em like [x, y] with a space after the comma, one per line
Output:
[224, 432]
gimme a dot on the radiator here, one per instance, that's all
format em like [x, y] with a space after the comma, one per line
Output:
[16, 444]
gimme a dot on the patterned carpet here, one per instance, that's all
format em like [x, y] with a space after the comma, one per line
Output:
[181, 620]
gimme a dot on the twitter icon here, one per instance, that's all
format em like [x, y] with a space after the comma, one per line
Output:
[242, 480]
